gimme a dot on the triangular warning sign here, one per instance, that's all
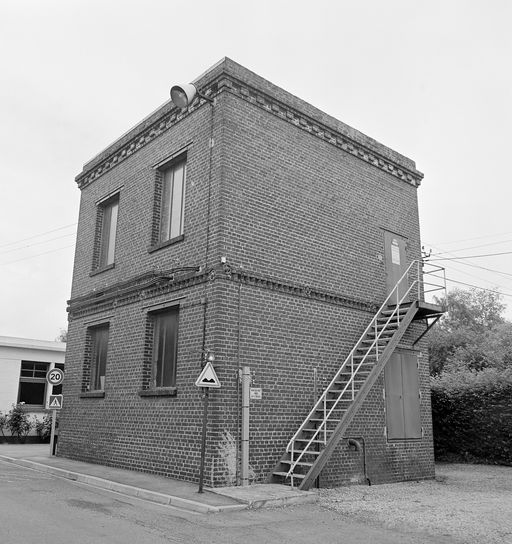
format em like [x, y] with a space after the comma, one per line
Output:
[55, 401]
[208, 377]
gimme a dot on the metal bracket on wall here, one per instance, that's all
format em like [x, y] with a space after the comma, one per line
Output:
[429, 326]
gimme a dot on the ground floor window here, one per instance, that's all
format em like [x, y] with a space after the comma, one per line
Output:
[163, 339]
[33, 387]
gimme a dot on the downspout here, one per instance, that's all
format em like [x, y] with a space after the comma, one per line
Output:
[359, 444]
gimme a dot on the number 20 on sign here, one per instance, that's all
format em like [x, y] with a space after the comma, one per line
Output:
[55, 376]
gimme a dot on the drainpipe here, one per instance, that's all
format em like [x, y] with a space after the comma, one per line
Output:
[359, 444]
[246, 382]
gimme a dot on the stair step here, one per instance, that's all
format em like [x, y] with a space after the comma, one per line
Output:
[385, 325]
[285, 475]
[389, 313]
[310, 441]
[299, 464]
[382, 334]
[381, 341]
[306, 452]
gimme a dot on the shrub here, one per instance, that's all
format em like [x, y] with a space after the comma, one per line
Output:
[472, 416]
[44, 427]
[18, 422]
[3, 423]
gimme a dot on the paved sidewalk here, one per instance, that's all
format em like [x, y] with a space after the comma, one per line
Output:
[151, 487]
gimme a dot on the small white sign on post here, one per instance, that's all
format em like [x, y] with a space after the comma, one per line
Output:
[255, 393]
[208, 377]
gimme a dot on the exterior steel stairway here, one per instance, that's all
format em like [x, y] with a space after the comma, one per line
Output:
[312, 445]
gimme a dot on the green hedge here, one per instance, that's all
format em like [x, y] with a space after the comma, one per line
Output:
[472, 415]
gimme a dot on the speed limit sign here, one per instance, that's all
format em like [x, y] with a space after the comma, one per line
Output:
[55, 376]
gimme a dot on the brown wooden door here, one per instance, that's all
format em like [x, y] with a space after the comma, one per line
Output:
[396, 265]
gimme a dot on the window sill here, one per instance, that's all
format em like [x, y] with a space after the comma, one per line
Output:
[103, 269]
[99, 394]
[161, 245]
[159, 392]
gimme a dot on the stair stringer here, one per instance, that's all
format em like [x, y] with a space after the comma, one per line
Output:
[352, 410]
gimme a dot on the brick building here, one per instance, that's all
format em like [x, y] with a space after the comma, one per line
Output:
[257, 228]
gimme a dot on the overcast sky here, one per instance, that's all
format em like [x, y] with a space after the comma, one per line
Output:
[429, 79]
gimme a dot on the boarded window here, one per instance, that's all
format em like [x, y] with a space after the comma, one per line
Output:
[402, 397]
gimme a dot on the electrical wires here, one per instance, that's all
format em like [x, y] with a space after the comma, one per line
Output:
[496, 278]
[22, 249]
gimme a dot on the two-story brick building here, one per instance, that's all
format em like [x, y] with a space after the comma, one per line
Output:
[255, 227]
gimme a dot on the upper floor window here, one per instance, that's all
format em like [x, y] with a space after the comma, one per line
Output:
[106, 230]
[169, 203]
[172, 201]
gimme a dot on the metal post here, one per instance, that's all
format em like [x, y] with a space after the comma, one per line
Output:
[246, 381]
[52, 435]
[203, 439]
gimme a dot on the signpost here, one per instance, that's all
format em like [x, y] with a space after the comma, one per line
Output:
[55, 376]
[207, 378]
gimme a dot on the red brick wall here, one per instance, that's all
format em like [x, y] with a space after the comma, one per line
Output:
[300, 223]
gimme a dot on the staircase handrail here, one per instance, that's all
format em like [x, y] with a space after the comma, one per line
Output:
[323, 398]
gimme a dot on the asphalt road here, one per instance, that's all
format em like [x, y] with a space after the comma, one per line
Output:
[37, 508]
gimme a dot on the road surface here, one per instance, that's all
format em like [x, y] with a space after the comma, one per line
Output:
[37, 508]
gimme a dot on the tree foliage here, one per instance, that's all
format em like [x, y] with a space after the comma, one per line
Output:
[470, 353]
[63, 336]
[473, 334]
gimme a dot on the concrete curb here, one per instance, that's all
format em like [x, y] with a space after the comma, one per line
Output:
[267, 495]
[131, 491]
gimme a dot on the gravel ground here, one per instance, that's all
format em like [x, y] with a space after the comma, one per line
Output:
[469, 503]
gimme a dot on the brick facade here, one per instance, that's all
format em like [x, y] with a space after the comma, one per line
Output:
[280, 268]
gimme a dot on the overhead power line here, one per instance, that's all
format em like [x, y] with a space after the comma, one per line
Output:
[471, 247]
[466, 273]
[470, 239]
[478, 287]
[471, 256]
[38, 255]
[21, 248]
[38, 235]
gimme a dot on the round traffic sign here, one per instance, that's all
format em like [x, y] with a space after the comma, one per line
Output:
[55, 376]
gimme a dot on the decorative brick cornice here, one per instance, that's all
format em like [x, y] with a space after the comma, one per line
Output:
[155, 284]
[141, 287]
[302, 291]
[350, 141]
[322, 131]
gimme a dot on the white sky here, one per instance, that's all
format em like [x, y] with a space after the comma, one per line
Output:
[429, 79]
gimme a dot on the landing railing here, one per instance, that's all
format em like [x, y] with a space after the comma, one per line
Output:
[422, 279]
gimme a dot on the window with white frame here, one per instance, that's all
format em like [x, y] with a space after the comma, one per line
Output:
[106, 232]
[32, 388]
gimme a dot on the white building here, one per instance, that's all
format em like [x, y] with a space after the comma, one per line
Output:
[23, 366]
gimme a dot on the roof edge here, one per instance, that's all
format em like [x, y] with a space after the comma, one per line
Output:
[228, 75]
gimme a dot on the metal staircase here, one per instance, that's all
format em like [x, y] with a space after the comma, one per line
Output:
[312, 445]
